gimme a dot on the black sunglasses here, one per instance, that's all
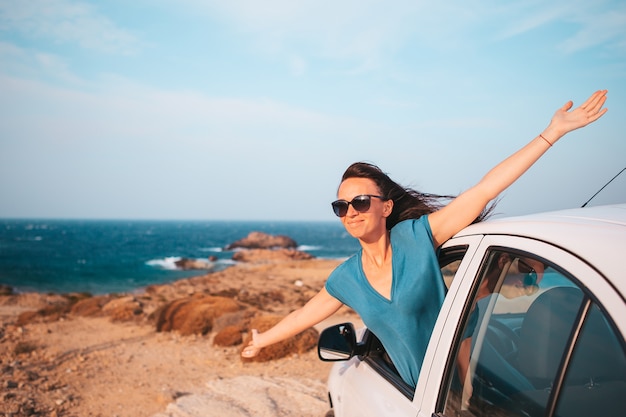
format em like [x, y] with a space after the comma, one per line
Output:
[361, 203]
[530, 275]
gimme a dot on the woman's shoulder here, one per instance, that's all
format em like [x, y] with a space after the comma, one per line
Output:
[347, 265]
[413, 228]
[412, 224]
[344, 272]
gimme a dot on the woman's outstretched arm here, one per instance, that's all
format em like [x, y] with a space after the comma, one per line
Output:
[320, 307]
[461, 211]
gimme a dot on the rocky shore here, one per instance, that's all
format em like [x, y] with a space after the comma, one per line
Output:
[168, 350]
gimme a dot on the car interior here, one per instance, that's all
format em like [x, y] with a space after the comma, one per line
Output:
[559, 357]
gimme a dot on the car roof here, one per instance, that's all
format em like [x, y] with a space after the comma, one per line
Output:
[595, 234]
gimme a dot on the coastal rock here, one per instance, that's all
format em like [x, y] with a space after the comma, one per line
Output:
[193, 315]
[123, 308]
[300, 343]
[188, 264]
[90, 307]
[55, 308]
[5, 290]
[263, 300]
[260, 240]
[268, 256]
[229, 336]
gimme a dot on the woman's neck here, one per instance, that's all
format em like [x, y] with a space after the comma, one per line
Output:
[377, 253]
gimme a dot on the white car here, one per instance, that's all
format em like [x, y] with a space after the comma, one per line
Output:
[533, 324]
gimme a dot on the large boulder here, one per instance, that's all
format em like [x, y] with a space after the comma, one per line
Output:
[260, 240]
[300, 343]
[123, 308]
[90, 306]
[193, 315]
[229, 336]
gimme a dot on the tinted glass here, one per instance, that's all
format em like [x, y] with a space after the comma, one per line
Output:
[595, 382]
[514, 336]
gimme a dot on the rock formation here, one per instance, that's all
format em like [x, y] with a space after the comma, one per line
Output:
[187, 264]
[260, 240]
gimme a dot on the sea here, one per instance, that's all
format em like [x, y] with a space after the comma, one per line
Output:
[120, 256]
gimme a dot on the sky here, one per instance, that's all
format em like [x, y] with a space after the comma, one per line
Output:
[249, 110]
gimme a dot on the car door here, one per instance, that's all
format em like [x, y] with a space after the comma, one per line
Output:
[527, 329]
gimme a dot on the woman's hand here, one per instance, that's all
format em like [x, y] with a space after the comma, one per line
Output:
[252, 349]
[564, 120]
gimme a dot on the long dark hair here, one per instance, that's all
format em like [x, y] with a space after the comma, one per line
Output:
[407, 202]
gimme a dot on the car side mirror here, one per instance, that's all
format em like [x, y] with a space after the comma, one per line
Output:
[337, 343]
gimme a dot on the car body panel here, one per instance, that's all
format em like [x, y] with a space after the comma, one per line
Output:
[350, 379]
[579, 231]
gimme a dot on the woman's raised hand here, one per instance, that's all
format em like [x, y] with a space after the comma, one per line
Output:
[564, 120]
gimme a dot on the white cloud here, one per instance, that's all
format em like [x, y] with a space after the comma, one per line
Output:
[366, 32]
[589, 23]
[25, 63]
[519, 19]
[122, 112]
[607, 27]
[361, 32]
[66, 21]
[298, 65]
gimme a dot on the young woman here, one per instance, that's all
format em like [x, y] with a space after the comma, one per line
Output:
[394, 282]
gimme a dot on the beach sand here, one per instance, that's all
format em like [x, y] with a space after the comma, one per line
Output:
[107, 363]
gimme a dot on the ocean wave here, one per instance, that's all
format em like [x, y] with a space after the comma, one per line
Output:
[211, 250]
[29, 239]
[165, 263]
[308, 248]
[170, 263]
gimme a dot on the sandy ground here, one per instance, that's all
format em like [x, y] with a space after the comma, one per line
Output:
[93, 366]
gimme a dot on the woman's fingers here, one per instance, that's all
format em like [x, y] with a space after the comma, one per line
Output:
[595, 101]
[565, 119]
[251, 350]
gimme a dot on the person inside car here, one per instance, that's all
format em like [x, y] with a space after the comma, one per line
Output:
[507, 275]
[393, 282]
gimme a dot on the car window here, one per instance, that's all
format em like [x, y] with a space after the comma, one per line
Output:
[515, 336]
[449, 261]
[595, 382]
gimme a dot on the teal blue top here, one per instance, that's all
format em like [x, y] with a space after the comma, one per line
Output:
[405, 322]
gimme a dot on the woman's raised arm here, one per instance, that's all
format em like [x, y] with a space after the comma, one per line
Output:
[318, 308]
[461, 211]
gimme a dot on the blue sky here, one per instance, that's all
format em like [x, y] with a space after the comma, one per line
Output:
[245, 110]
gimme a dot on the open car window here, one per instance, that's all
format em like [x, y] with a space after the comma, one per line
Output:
[449, 261]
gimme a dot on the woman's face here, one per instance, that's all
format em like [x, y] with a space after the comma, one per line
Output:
[370, 224]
